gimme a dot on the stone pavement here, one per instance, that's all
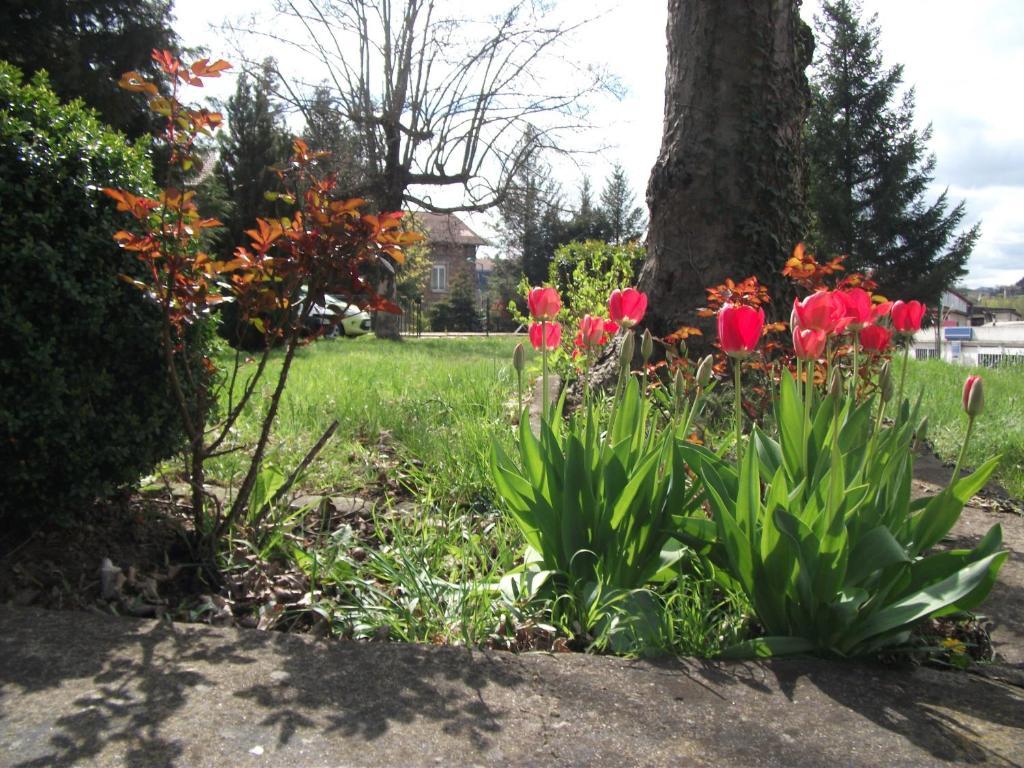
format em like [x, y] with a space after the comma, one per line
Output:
[85, 690]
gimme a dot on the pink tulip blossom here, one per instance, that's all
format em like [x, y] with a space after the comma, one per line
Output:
[907, 316]
[627, 307]
[545, 335]
[859, 311]
[739, 329]
[821, 311]
[544, 303]
[808, 343]
[594, 332]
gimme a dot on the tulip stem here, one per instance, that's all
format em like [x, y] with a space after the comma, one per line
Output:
[544, 368]
[828, 363]
[903, 375]
[739, 412]
[963, 451]
[519, 375]
[853, 388]
[586, 382]
[808, 425]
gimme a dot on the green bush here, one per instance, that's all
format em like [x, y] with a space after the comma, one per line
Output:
[83, 403]
[585, 274]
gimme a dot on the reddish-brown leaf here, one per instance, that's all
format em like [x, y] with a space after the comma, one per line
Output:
[263, 237]
[133, 81]
[203, 68]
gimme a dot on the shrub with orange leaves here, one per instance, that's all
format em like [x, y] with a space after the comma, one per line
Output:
[325, 245]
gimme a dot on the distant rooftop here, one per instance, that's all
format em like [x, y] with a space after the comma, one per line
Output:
[447, 228]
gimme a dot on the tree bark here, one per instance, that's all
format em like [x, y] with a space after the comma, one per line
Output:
[391, 198]
[726, 195]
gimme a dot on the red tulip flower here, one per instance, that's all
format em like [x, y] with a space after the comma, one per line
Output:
[808, 343]
[821, 311]
[545, 335]
[739, 329]
[544, 304]
[594, 331]
[859, 311]
[627, 307]
[875, 338]
[907, 316]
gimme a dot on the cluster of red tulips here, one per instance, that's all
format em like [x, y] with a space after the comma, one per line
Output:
[626, 308]
[819, 316]
[822, 315]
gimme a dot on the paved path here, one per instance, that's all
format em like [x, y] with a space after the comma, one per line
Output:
[82, 690]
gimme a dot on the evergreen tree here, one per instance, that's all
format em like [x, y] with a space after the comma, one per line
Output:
[327, 130]
[86, 46]
[625, 219]
[256, 141]
[587, 222]
[870, 169]
[530, 220]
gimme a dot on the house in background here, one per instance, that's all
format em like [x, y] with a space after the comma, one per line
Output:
[972, 335]
[959, 312]
[956, 310]
[452, 249]
[995, 315]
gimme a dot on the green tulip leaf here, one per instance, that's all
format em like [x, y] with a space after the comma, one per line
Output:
[767, 647]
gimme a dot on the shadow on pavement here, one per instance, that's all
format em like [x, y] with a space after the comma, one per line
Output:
[118, 683]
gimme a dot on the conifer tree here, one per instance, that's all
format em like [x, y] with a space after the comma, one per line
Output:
[85, 46]
[587, 222]
[625, 219]
[530, 222]
[256, 141]
[870, 169]
[327, 130]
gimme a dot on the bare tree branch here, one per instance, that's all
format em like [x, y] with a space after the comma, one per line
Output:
[439, 102]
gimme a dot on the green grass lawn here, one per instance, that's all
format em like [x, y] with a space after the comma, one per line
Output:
[999, 430]
[421, 413]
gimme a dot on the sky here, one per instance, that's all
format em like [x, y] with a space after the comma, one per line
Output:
[959, 58]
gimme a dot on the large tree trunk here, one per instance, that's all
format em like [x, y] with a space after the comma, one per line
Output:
[726, 195]
[385, 324]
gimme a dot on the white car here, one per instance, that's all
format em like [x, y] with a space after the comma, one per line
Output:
[354, 321]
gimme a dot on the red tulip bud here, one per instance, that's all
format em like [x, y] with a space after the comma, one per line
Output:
[974, 396]
[875, 338]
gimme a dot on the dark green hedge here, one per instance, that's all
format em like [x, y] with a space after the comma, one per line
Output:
[83, 405]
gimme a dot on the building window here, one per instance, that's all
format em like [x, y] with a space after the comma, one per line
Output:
[925, 354]
[439, 277]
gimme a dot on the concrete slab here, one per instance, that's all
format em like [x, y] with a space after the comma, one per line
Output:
[84, 690]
